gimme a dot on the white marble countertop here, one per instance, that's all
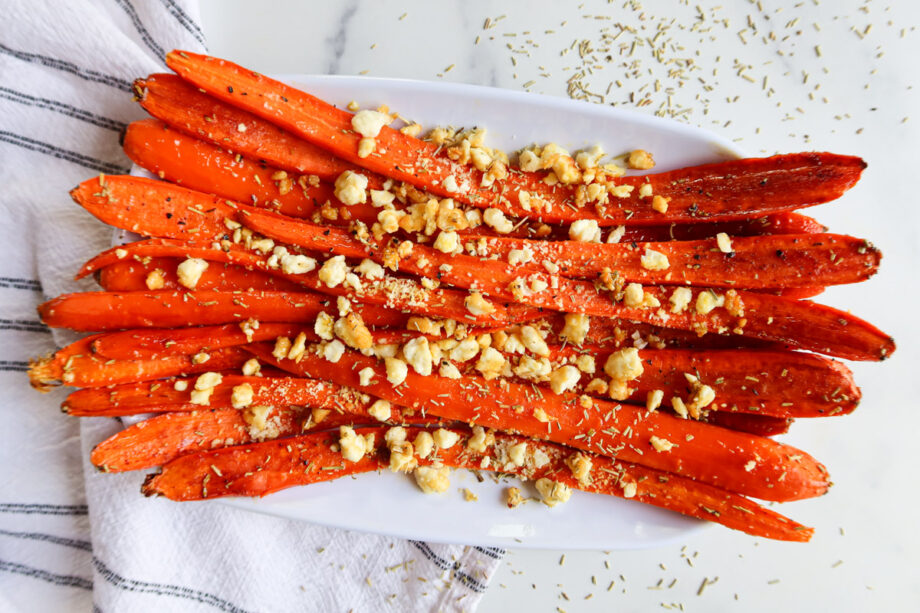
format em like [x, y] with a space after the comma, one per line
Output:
[794, 75]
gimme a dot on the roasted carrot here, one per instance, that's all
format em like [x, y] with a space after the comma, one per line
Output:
[761, 425]
[800, 324]
[706, 453]
[138, 276]
[96, 311]
[190, 110]
[756, 262]
[199, 165]
[75, 365]
[726, 190]
[159, 209]
[161, 342]
[259, 469]
[196, 164]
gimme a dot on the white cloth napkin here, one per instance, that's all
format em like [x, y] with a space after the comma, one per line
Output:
[73, 539]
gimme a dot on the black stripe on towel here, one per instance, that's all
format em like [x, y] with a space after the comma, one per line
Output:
[83, 73]
[61, 154]
[63, 109]
[44, 575]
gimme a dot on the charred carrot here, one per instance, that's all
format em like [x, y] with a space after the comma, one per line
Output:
[160, 273]
[186, 108]
[706, 453]
[726, 190]
[96, 311]
[257, 470]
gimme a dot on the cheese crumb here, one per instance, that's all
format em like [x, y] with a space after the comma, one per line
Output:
[477, 305]
[495, 219]
[660, 204]
[633, 295]
[353, 445]
[432, 479]
[447, 242]
[351, 188]
[564, 379]
[724, 242]
[381, 410]
[490, 363]
[707, 300]
[680, 298]
[661, 444]
[333, 351]
[241, 396]
[369, 123]
[418, 355]
[552, 492]
[513, 497]
[580, 465]
[576, 328]
[449, 371]
[423, 444]
[585, 230]
[640, 159]
[653, 400]
[155, 280]
[518, 453]
[533, 341]
[292, 264]
[324, 326]
[333, 271]
[180, 386]
[190, 271]
[445, 439]
[397, 370]
[479, 442]
[366, 376]
[654, 260]
[251, 367]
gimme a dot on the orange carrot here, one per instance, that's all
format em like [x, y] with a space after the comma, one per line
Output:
[186, 108]
[259, 469]
[726, 190]
[707, 453]
[135, 276]
[172, 309]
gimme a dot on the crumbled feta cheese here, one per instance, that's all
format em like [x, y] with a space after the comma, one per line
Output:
[397, 370]
[380, 410]
[257, 416]
[423, 444]
[366, 376]
[447, 242]
[585, 230]
[155, 280]
[552, 492]
[189, 272]
[480, 440]
[531, 369]
[580, 465]
[518, 453]
[445, 439]
[418, 355]
[324, 326]
[640, 159]
[352, 331]
[333, 271]
[432, 479]
[654, 260]
[534, 342]
[679, 407]
[645, 190]
[660, 204]
[630, 489]
[495, 219]
[208, 380]
[653, 400]
[724, 242]
[616, 234]
[449, 371]
[624, 365]
[564, 379]
[520, 256]
[477, 305]
[180, 386]
[661, 444]
[490, 363]
[585, 364]
[370, 270]
[297, 264]
[707, 300]
[466, 350]
[633, 295]
[333, 351]
[680, 298]
[366, 146]
[353, 445]
[241, 396]
[351, 188]
[381, 197]
[369, 123]
[298, 348]
[576, 328]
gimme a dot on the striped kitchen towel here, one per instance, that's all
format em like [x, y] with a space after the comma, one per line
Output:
[72, 539]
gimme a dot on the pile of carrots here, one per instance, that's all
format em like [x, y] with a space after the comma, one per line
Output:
[315, 298]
